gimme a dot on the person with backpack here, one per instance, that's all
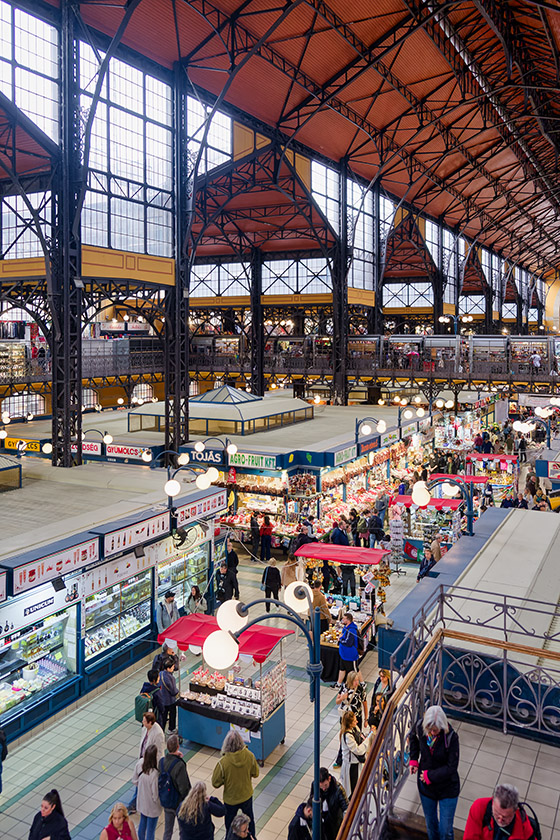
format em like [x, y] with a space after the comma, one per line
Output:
[161, 658]
[501, 816]
[3, 752]
[148, 700]
[173, 783]
[168, 693]
[146, 777]
[375, 529]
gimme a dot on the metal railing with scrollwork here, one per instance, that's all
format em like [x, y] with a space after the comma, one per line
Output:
[492, 678]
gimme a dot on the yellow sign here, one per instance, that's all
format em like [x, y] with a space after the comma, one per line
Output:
[31, 445]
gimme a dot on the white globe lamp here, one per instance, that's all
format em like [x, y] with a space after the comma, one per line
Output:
[420, 494]
[4, 435]
[229, 619]
[172, 487]
[203, 481]
[213, 474]
[366, 429]
[46, 447]
[296, 596]
[420, 412]
[231, 449]
[381, 426]
[199, 446]
[107, 438]
[439, 403]
[449, 404]
[146, 456]
[220, 650]
[183, 459]
[407, 414]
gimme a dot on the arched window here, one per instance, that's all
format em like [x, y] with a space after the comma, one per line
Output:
[20, 405]
[143, 392]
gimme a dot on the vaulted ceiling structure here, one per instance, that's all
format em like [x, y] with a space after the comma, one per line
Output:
[453, 107]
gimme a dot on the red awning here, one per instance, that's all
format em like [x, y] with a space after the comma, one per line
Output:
[468, 479]
[482, 456]
[257, 641]
[345, 554]
[438, 504]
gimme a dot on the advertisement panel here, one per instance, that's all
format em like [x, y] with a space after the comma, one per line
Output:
[252, 460]
[122, 451]
[203, 507]
[55, 565]
[126, 538]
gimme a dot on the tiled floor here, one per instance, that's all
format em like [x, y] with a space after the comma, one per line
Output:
[487, 757]
[89, 755]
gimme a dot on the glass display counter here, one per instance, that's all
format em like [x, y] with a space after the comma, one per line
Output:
[180, 572]
[35, 658]
[117, 612]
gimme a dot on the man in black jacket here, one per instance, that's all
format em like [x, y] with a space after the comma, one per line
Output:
[300, 825]
[375, 528]
[232, 561]
[334, 803]
[225, 583]
[174, 764]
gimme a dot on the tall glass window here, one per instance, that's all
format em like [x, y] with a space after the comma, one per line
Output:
[129, 203]
[360, 220]
[386, 217]
[218, 148]
[19, 230]
[432, 240]
[226, 279]
[325, 190]
[307, 276]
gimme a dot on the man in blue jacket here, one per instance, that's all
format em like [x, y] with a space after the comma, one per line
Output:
[347, 648]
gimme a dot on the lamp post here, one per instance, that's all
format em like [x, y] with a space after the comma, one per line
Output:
[221, 650]
[362, 427]
[421, 495]
[226, 445]
[105, 436]
[172, 487]
[464, 319]
[408, 412]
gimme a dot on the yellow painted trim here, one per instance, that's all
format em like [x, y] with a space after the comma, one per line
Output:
[108, 263]
[361, 297]
[408, 310]
[303, 169]
[448, 309]
[243, 300]
[296, 300]
[245, 141]
[28, 267]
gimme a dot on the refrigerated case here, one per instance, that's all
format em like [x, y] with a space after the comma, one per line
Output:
[117, 612]
[187, 566]
[38, 650]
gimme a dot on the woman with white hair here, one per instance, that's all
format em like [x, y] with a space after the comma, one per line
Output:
[434, 755]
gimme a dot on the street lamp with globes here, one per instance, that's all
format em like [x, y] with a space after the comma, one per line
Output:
[363, 427]
[221, 650]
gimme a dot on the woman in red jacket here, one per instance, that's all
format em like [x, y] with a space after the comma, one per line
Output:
[266, 539]
[499, 814]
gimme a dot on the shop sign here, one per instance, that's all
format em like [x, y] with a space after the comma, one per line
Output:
[209, 506]
[424, 424]
[89, 447]
[554, 469]
[252, 460]
[34, 607]
[17, 444]
[2, 586]
[370, 445]
[126, 538]
[389, 437]
[166, 550]
[115, 572]
[55, 565]
[344, 455]
[207, 456]
[409, 430]
[117, 450]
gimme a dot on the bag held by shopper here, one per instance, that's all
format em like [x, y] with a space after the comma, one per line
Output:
[142, 703]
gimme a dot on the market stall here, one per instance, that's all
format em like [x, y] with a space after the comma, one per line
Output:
[421, 524]
[214, 703]
[363, 612]
[501, 471]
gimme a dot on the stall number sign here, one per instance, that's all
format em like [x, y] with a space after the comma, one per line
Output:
[2, 586]
[114, 572]
[90, 447]
[16, 443]
[115, 450]
[554, 469]
[344, 455]
[55, 565]
[203, 507]
[125, 539]
[253, 461]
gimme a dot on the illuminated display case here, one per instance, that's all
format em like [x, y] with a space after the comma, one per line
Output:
[186, 568]
[117, 612]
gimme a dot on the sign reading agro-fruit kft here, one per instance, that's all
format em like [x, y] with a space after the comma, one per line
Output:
[251, 460]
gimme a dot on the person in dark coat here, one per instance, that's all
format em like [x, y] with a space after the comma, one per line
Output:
[338, 536]
[434, 756]
[174, 764]
[300, 824]
[271, 582]
[168, 694]
[240, 828]
[161, 658]
[50, 821]
[255, 536]
[232, 561]
[151, 687]
[196, 812]
[225, 583]
[334, 803]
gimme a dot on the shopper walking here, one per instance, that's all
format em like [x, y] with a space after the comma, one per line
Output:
[240, 829]
[271, 582]
[232, 562]
[347, 648]
[334, 803]
[354, 750]
[435, 548]
[166, 612]
[120, 825]
[320, 601]
[146, 777]
[288, 572]
[196, 602]
[234, 772]
[173, 764]
[351, 697]
[195, 814]
[168, 693]
[255, 536]
[225, 583]
[348, 580]
[500, 816]
[375, 529]
[299, 827]
[266, 539]
[50, 823]
[434, 756]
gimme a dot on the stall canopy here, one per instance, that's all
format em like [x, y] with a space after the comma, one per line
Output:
[257, 641]
[483, 456]
[438, 504]
[468, 479]
[344, 554]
